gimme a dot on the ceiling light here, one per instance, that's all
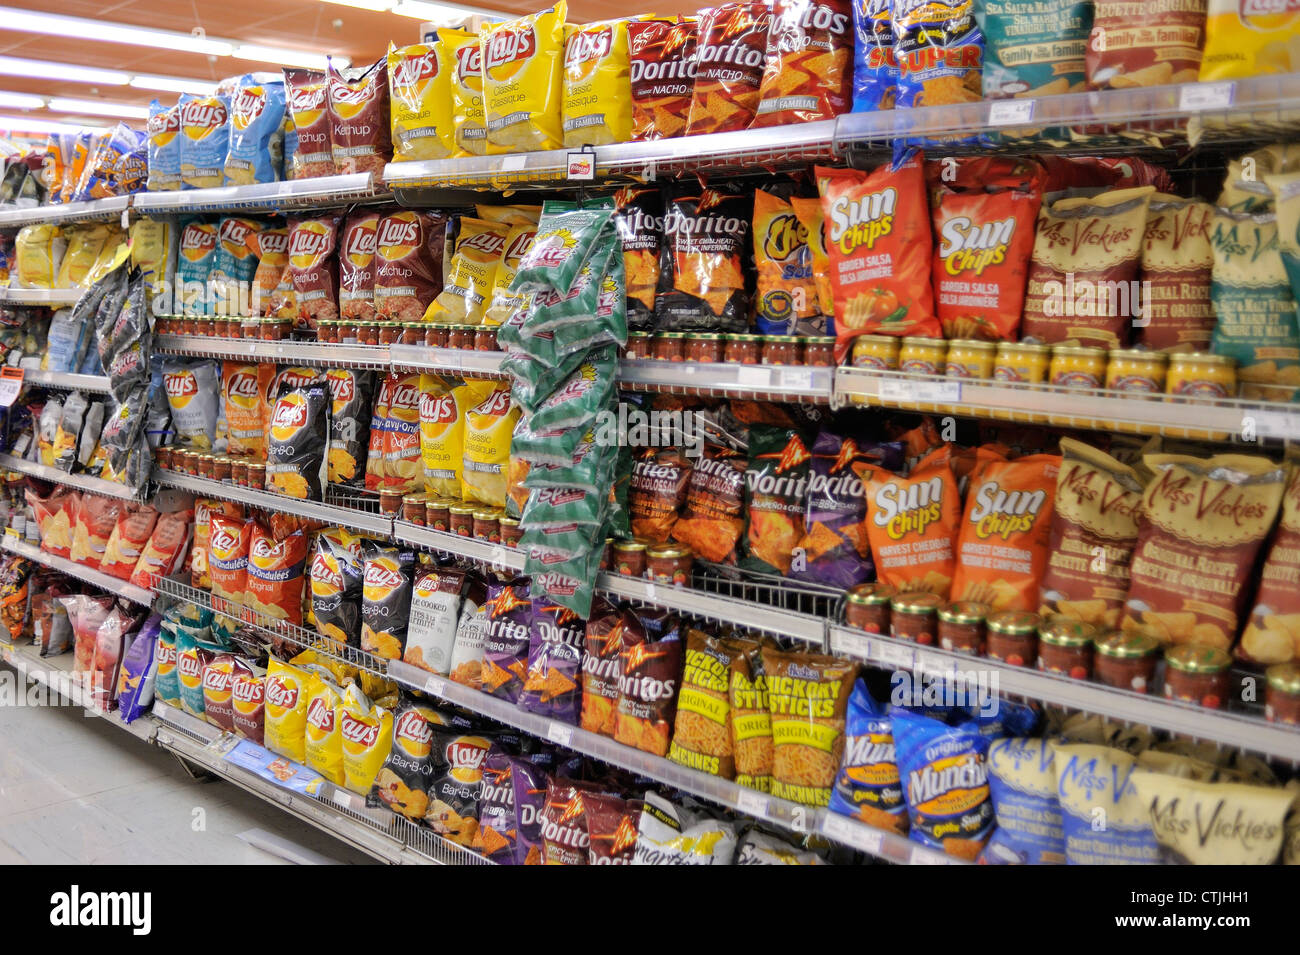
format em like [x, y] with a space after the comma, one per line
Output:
[24, 124]
[276, 54]
[424, 10]
[30, 21]
[50, 70]
[20, 101]
[173, 84]
[378, 6]
[98, 108]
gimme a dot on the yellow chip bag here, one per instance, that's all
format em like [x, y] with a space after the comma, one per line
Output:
[510, 215]
[38, 250]
[322, 735]
[286, 710]
[419, 85]
[468, 288]
[504, 302]
[367, 731]
[597, 85]
[443, 405]
[812, 219]
[465, 51]
[85, 246]
[1244, 38]
[488, 427]
[522, 69]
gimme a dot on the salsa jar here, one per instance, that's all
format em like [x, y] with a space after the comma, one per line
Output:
[390, 502]
[327, 333]
[670, 346]
[1012, 636]
[782, 350]
[415, 508]
[487, 525]
[511, 532]
[485, 338]
[257, 475]
[460, 519]
[221, 469]
[1282, 697]
[1065, 647]
[629, 558]
[412, 333]
[250, 327]
[877, 352]
[1137, 372]
[349, 333]
[221, 326]
[461, 337]
[1127, 660]
[961, 626]
[207, 465]
[968, 358]
[435, 336]
[435, 514]
[922, 356]
[866, 607]
[704, 347]
[742, 349]
[670, 564]
[640, 345]
[239, 472]
[276, 329]
[390, 333]
[1201, 375]
[162, 457]
[1195, 673]
[1076, 366]
[819, 351]
[914, 617]
[367, 333]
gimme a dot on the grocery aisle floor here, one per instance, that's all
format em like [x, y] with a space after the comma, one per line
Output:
[74, 789]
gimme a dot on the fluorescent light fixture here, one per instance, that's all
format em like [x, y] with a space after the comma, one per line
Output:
[31, 21]
[20, 101]
[424, 10]
[97, 108]
[276, 54]
[50, 70]
[40, 125]
[173, 84]
[377, 6]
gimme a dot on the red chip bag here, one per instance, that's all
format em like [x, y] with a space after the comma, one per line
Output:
[96, 520]
[167, 548]
[730, 57]
[307, 93]
[228, 542]
[54, 518]
[409, 248]
[86, 614]
[314, 268]
[809, 74]
[662, 76]
[878, 239]
[275, 574]
[358, 107]
[357, 266]
[129, 538]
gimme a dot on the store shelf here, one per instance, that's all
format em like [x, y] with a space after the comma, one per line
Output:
[343, 814]
[1194, 418]
[56, 673]
[321, 193]
[96, 209]
[328, 513]
[284, 352]
[446, 361]
[509, 559]
[729, 380]
[53, 297]
[1233, 729]
[113, 585]
[98, 384]
[83, 482]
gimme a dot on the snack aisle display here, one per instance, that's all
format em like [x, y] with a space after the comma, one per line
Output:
[777, 458]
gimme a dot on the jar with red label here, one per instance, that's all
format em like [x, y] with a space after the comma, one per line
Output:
[436, 517]
[1127, 660]
[460, 337]
[412, 333]
[414, 508]
[704, 347]
[367, 333]
[607, 554]
[670, 564]
[390, 502]
[207, 464]
[1195, 673]
[915, 617]
[460, 519]
[511, 532]
[389, 333]
[640, 346]
[435, 336]
[866, 607]
[742, 349]
[239, 472]
[162, 456]
[782, 350]
[221, 469]
[1282, 698]
[485, 338]
[629, 558]
[961, 626]
[1012, 637]
[257, 476]
[1065, 647]
[487, 526]
[670, 346]
[819, 352]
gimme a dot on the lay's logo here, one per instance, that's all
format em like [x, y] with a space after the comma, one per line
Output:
[465, 755]
[273, 242]
[308, 104]
[343, 386]
[217, 682]
[413, 733]
[406, 402]
[411, 70]
[382, 577]
[280, 693]
[325, 575]
[437, 409]
[223, 544]
[507, 46]
[587, 45]
[181, 387]
[248, 693]
[309, 244]
[352, 95]
[242, 390]
[163, 127]
[357, 732]
[246, 106]
[320, 714]
[469, 62]
[198, 242]
[520, 244]
[265, 551]
[290, 417]
[234, 237]
[188, 665]
[491, 244]
[496, 404]
[200, 118]
[398, 236]
[361, 241]
[1269, 12]
[166, 657]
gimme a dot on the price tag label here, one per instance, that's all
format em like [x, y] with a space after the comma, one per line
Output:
[748, 376]
[851, 644]
[582, 166]
[560, 733]
[752, 803]
[933, 663]
[846, 832]
[1011, 112]
[891, 654]
[126, 218]
[650, 592]
[346, 799]
[797, 378]
[1275, 424]
[435, 685]
[901, 389]
[513, 163]
[929, 857]
[11, 383]
[1198, 97]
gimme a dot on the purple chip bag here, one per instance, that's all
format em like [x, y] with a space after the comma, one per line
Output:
[552, 683]
[836, 504]
[505, 649]
[496, 808]
[529, 785]
[136, 676]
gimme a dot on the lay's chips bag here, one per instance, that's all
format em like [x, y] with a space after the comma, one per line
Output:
[233, 266]
[1245, 38]
[164, 147]
[444, 405]
[401, 436]
[349, 431]
[256, 151]
[322, 730]
[467, 117]
[198, 254]
[205, 140]
[243, 391]
[597, 103]
[367, 731]
[488, 427]
[285, 719]
[465, 295]
[522, 89]
[420, 81]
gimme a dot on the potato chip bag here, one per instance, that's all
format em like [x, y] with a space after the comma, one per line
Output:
[662, 76]
[96, 519]
[297, 435]
[167, 548]
[467, 108]
[706, 232]
[357, 244]
[1272, 633]
[193, 393]
[488, 427]
[307, 93]
[940, 52]
[130, 536]
[1151, 43]
[243, 395]
[164, 130]
[809, 72]
[192, 657]
[730, 57]
[205, 140]
[808, 697]
[228, 543]
[276, 570]
[878, 236]
[401, 452]
[809, 213]
[1177, 264]
[385, 599]
[408, 263]
[285, 720]
[349, 429]
[522, 80]
[85, 244]
[322, 730]
[204, 508]
[420, 82]
[271, 246]
[868, 786]
[786, 291]
[256, 153]
[360, 138]
[1249, 39]
[218, 688]
[313, 263]
[444, 404]
[776, 486]
[376, 470]
[1034, 51]
[912, 525]
[596, 98]
[197, 253]
[466, 292]
[38, 252]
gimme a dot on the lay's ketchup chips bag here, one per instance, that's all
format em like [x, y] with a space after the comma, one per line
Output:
[809, 73]
[420, 83]
[597, 103]
[313, 264]
[307, 95]
[879, 242]
[912, 525]
[730, 59]
[359, 131]
[522, 88]
[357, 243]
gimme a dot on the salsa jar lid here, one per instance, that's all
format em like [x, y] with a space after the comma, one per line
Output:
[1203, 358]
[635, 544]
[918, 602]
[1060, 631]
[1284, 677]
[1079, 351]
[964, 611]
[669, 551]
[671, 336]
[1013, 621]
[1138, 354]
[1127, 645]
[743, 337]
[414, 498]
[924, 340]
[1023, 348]
[460, 507]
[1198, 658]
[819, 339]
[486, 514]
[973, 343]
[870, 594]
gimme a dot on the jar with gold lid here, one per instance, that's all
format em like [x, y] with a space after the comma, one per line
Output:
[1201, 375]
[969, 358]
[1136, 371]
[1077, 366]
[877, 352]
[922, 356]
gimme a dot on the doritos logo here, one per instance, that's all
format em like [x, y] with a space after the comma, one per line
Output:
[320, 714]
[793, 455]
[965, 246]
[1001, 513]
[437, 409]
[201, 117]
[504, 602]
[413, 733]
[507, 46]
[411, 70]
[280, 693]
[861, 223]
[290, 416]
[360, 733]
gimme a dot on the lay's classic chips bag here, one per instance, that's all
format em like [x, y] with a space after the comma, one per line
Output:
[465, 50]
[1249, 37]
[488, 427]
[367, 731]
[597, 85]
[322, 731]
[522, 70]
[420, 101]
[285, 719]
[466, 293]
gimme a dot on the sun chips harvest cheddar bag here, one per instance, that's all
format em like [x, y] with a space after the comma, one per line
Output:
[662, 76]
[420, 82]
[912, 524]
[809, 74]
[522, 89]
[597, 101]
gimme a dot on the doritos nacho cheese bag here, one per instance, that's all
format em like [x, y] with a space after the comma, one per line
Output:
[285, 719]
[420, 96]
[808, 697]
[466, 52]
[597, 102]
[1002, 547]
[912, 525]
[809, 73]
[522, 88]
[662, 75]
[879, 242]
[730, 57]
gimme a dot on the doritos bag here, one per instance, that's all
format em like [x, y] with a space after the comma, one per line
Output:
[420, 82]
[357, 244]
[701, 282]
[662, 76]
[647, 701]
[505, 649]
[875, 67]
[730, 57]
[555, 650]
[297, 438]
[776, 486]
[639, 220]
[349, 431]
[359, 126]
[809, 73]
[660, 478]
[308, 104]
[522, 89]
[597, 107]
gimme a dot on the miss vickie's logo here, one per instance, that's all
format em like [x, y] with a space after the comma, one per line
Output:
[1172, 493]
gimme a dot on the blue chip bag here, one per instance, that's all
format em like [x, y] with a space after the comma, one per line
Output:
[940, 52]
[875, 68]
[944, 770]
[192, 655]
[867, 786]
[257, 114]
[234, 264]
[196, 259]
[205, 140]
[135, 678]
[164, 147]
[290, 144]
[166, 685]
[1022, 779]
[1106, 822]
[1008, 718]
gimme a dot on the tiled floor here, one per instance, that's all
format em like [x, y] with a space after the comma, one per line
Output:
[74, 789]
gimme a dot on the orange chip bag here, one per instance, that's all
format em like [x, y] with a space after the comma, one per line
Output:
[167, 548]
[522, 71]
[129, 538]
[228, 542]
[809, 74]
[243, 395]
[730, 57]
[879, 241]
[809, 212]
[276, 571]
[912, 526]
[597, 102]
[662, 76]
[786, 289]
[272, 249]
[1002, 547]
